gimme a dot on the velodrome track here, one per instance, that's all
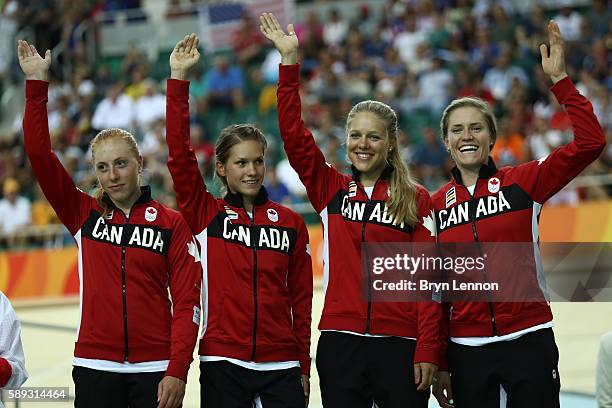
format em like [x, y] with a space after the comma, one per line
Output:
[49, 331]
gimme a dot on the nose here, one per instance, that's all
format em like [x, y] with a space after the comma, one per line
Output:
[251, 170]
[363, 143]
[113, 173]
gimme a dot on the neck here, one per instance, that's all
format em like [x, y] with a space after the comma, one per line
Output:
[469, 176]
[126, 206]
[249, 203]
[369, 180]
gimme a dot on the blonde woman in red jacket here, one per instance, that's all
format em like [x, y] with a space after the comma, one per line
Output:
[134, 344]
[369, 352]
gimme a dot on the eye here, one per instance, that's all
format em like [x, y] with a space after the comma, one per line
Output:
[456, 130]
[259, 161]
[477, 128]
[101, 167]
[354, 135]
[374, 137]
[241, 163]
[121, 163]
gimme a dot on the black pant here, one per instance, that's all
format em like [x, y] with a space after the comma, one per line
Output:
[103, 389]
[227, 385]
[525, 367]
[356, 371]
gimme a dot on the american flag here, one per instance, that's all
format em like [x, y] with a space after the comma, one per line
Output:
[219, 20]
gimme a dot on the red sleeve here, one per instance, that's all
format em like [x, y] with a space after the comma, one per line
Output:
[185, 283]
[545, 177]
[429, 313]
[299, 284]
[70, 204]
[197, 205]
[5, 371]
[321, 179]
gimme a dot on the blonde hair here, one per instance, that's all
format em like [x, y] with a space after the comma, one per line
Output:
[470, 102]
[103, 136]
[402, 202]
[231, 136]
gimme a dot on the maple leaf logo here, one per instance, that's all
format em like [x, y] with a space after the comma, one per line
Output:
[494, 181]
[429, 222]
[151, 210]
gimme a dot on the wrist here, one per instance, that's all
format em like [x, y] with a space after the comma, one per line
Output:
[557, 78]
[39, 76]
[178, 74]
[289, 59]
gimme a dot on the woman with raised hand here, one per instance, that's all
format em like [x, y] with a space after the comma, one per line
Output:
[369, 352]
[506, 350]
[134, 343]
[257, 286]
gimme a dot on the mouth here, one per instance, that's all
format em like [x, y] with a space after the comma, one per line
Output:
[116, 187]
[251, 183]
[363, 156]
[468, 148]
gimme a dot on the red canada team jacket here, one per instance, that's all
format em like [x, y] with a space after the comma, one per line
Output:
[350, 219]
[506, 208]
[257, 273]
[125, 264]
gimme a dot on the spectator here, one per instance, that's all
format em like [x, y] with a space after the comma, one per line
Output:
[114, 111]
[498, 79]
[277, 191]
[335, 29]
[15, 213]
[225, 85]
[150, 107]
[569, 22]
[247, 42]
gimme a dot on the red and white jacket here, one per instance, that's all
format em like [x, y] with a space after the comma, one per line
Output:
[349, 220]
[125, 264]
[522, 190]
[257, 272]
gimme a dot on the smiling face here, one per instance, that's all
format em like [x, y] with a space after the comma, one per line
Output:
[244, 168]
[368, 146]
[117, 169]
[468, 138]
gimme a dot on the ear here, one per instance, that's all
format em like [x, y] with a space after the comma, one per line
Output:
[446, 145]
[220, 169]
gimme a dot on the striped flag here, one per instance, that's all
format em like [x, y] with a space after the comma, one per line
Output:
[219, 21]
[451, 197]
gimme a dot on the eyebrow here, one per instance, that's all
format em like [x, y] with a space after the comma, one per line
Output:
[470, 124]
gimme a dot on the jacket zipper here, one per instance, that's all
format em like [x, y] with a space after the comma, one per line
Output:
[473, 220]
[254, 246]
[124, 292]
[363, 240]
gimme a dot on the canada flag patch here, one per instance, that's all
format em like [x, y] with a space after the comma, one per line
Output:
[493, 185]
[150, 214]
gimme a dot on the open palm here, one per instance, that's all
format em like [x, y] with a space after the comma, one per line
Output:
[185, 53]
[285, 43]
[553, 62]
[32, 64]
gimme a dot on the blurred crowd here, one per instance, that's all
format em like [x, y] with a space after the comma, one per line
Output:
[415, 55]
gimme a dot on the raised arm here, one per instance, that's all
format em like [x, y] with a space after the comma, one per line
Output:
[544, 177]
[320, 179]
[70, 203]
[196, 204]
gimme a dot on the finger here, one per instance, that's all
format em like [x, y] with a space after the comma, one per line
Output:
[544, 51]
[270, 22]
[47, 55]
[290, 29]
[276, 23]
[417, 373]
